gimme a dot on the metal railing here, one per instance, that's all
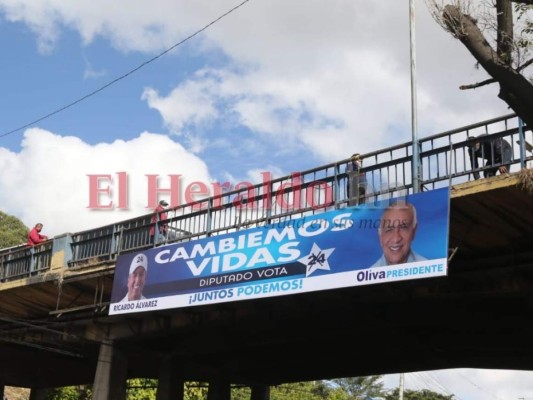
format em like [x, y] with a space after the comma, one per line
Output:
[24, 261]
[444, 159]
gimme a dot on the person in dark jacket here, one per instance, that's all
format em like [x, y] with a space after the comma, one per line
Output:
[495, 151]
[356, 183]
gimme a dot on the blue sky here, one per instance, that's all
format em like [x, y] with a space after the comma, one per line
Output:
[275, 86]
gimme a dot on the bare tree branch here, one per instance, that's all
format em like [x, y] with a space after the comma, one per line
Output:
[479, 84]
[526, 64]
[530, 2]
[515, 89]
[489, 81]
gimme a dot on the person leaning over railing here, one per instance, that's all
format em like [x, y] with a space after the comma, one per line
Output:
[160, 216]
[495, 151]
[35, 237]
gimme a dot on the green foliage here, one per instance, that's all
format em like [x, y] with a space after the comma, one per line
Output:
[299, 391]
[141, 389]
[70, 393]
[424, 394]
[195, 391]
[137, 389]
[359, 388]
[338, 389]
[12, 231]
[240, 393]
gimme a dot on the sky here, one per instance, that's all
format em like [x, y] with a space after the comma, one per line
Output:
[279, 86]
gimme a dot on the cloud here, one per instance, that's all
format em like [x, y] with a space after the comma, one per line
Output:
[48, 181]
[474, 384]
[90, 72]
[301, 71]
[191, 103]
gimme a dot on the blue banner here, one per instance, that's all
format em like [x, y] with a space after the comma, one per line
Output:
[401, 239]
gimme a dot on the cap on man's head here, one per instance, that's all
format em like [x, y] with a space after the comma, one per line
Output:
[163, 203]
[139, 260]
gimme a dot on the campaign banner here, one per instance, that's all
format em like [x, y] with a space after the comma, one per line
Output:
[395, 240]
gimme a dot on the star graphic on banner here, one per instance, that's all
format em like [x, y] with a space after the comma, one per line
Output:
[316, 259]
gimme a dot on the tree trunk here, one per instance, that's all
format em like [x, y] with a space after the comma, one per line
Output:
[515, 90]
[504, 19]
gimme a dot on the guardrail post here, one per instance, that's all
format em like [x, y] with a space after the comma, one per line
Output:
[337, 185]
[267, 200]
[33, 261]
[522, 141]
[209, 216]
[112, 247]
[2, 268]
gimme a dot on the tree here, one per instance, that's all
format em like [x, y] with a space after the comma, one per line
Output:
[12, 231]
[69, 393]
[195, 391]
[313, 390]
[141, 389]
[499, 41]
[360, 388]
[337, 389]
[423, 394]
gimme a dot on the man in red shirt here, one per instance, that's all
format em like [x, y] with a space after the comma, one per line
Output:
[34, 237]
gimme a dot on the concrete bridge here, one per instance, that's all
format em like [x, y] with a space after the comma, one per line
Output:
[54, 301]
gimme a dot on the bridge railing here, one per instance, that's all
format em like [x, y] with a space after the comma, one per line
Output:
[23, 261]
[444, 160]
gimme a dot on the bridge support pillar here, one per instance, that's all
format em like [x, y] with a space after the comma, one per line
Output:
[260, 392]
[170, 383]
[61, 251]
[111, 374]
[219, 389]
[38, 394]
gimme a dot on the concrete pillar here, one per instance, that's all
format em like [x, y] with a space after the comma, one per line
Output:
[61, 251]
[111, 374]
[170, 385]
[260, 392]
[38, 394]
[219, 389]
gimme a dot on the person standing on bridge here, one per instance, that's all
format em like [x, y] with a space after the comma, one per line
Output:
[356, 183]
[35, 237]
[159, 217]
[396, 232]
[497, 151]
[137, 278]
